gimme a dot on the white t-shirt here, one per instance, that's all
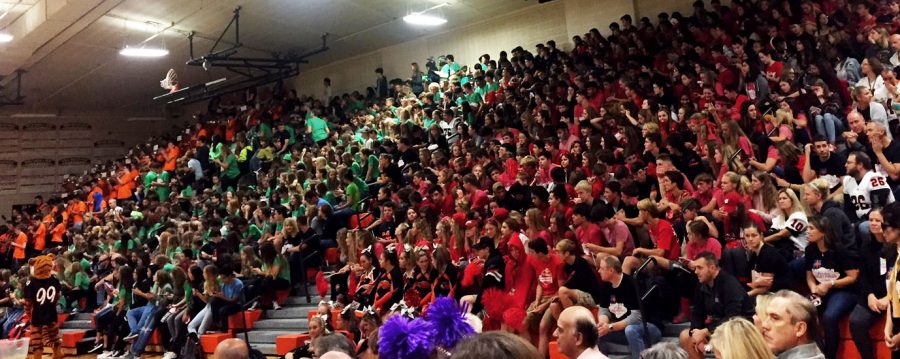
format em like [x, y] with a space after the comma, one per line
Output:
[860, 192]
[797, 224]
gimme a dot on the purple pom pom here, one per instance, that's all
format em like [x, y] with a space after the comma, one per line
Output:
[402, 338]
[449, 322]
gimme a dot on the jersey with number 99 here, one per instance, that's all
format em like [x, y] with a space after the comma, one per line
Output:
[43, 295]
[860, 194]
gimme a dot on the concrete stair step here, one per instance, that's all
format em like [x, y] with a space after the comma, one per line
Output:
[301, 300]
[267, 336]
[267, 349]
[77, 324]
[298, 324]
[296, 312]
[81, 316]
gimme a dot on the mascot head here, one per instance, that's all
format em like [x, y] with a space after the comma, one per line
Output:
[41, 266]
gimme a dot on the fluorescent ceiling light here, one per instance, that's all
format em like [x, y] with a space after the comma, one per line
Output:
[143, 52]
[32, 115]
[5, 37]
[424, 19]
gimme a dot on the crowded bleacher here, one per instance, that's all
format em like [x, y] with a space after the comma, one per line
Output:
[727, 176]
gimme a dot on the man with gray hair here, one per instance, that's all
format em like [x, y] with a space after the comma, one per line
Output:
[895, 45]
[333, 343]
[887, 152]
[664, 350]
[619, 317]
[790, 326]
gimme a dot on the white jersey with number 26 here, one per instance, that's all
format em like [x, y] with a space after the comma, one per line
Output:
[860, 193]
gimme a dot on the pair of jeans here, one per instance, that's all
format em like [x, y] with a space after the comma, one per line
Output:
[835, 305]
[138, 317]
[829, 125]
[12, 317]
[861, 320]
[146, 330]
[633, 336]
[200, 322]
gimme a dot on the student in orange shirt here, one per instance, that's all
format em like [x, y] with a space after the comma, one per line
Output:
[59, 230]
[172, 152]
[40, 237]
[77, 209]
[125, 188]
[19, 243]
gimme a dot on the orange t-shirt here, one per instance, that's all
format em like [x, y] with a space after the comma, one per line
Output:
[77, 210]
[40, 237]
[173, 154]
[21, 242]
[58, 232]
[125, 186]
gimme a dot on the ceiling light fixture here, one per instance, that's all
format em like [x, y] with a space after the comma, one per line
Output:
[424, 19]
[145, 48]
[5, 37]
[143, 52]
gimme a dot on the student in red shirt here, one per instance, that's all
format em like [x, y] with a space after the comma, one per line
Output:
[586, 233]
[547, 269]
[665, 244]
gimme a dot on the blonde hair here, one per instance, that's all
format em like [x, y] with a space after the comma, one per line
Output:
[762, 304]
[584, 185]
[738, 338]
[796, 204]
[741, 183]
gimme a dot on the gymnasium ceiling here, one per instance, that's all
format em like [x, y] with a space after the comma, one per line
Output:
[69, 48]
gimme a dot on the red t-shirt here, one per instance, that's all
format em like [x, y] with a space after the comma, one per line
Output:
[712, 245]
[588, 233]
[663, 235]
[547, 272]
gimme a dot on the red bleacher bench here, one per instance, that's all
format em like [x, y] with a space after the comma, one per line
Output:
[282, 295]
[286, 343]
[332, 255]
[71, 339]
[235, 321]
[61, 317]
[209, 342]
[847, 348]
[155, 338]
[554, 351]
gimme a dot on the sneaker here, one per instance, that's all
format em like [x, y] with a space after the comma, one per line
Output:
[170, 355]
[96, 348]
[275, 306]
[130, 337]
[105, 354]
[255, 305]
[74, 311]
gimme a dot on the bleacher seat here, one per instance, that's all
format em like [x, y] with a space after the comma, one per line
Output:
[71, 338]
[286, 343]
[209, 342]
[251, 316]
[847, 348]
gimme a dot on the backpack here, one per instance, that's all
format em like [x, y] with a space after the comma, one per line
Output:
[191, 349]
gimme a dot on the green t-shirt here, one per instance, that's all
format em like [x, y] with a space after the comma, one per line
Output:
[82, 281]
[284, 269]
[319, 128]
[163, 191]
[149, 178]
[118, 244]
[187, 192]
[265, 131]
[233, 171]
[352, 192]
[373, 164]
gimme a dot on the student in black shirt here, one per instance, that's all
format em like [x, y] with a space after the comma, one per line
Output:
[718, 298]
[619, 317]
[831, 274]
[581, 286]
[768, 268]
[303, 242]
[873, 300]
[823, 162]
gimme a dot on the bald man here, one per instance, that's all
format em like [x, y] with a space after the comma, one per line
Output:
[577, 334]
[855, 136]
[895, 45]
[232, 349]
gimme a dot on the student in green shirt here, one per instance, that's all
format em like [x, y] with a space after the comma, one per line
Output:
[317, 128]
[230, 172]
[274, 273]
[75, 286]
[351, 191]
